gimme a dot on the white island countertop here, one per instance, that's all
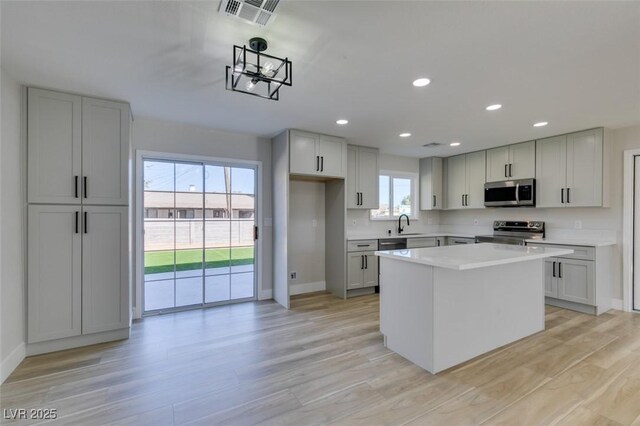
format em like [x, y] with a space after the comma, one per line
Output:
[472, 256]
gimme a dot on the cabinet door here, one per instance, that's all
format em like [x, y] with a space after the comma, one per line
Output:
[368, 178]
[522, 158]
[421, 242]
[431, 183]
[456, 181]
[332, 152]
[105, 152]
[498, 164]
[550, 280]
[54, 286]
[353, 194]
[584, 169]
[355, 268]
[105, 269]
[303, 158]
[576, 281]
[370, 276]
[54, 147]
[475, 177]
[551, 167]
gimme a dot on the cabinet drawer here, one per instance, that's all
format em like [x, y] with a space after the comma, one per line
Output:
[460, 240]
[579, 252]
[362, 245]
[422, 242]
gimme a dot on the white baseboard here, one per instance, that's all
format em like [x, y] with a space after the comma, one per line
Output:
[12, 361]
[307, 287]
[616, 304]
[265, 294]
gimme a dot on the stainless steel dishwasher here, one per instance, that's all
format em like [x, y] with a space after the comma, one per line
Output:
[392, 244]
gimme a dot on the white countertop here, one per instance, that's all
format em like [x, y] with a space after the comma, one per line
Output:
[574, 242]
[472, 256]
[383, 236]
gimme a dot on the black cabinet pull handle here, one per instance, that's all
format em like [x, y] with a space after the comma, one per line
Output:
[366, 262]
[317, 163]
[434, 201]
[505, 170]
[562, 195]
[322, 164]
[86, 224]
[255, 232]
[359, 198]
[568, 195]
[510, 174]
[554, 270]
[463, 199]
[559, 269]
[77, 214]
[85, 186]
[361, 262]
[75, 191]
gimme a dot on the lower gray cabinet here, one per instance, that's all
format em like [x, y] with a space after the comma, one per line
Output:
[580, 280]
[362, 270]
[78, 267]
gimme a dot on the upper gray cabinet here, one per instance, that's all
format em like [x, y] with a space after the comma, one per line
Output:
[465, 181]
[362, 177]
[317, 155]
[570, 170]
[77, 149]
[431, 197]
[511, 162]
[54, 147]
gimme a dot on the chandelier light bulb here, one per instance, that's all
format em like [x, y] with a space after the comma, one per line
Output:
[250, 86]
[267, 68]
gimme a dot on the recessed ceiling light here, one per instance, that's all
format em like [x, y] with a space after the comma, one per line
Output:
[405, 135]
[540, 124]
[454, 144]
[342, 121]
[421, 82]
[493, 107]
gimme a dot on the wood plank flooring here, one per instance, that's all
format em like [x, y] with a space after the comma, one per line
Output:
[323, 362]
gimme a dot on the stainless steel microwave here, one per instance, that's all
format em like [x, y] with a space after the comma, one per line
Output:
[512, 193]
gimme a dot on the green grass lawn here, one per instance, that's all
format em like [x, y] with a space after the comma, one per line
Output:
[186, 260]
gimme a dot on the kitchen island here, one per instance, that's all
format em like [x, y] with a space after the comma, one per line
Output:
[442, 306]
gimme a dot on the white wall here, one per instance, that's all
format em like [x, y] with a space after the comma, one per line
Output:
[359, 222]
[12, 229]
[172, 137]
[596, 222]
[306, 251]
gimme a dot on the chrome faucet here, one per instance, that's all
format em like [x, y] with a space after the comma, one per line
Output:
[400, 228]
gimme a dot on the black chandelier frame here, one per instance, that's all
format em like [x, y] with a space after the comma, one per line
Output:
[240, 68]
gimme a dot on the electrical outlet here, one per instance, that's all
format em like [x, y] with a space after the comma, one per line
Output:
[354, 222]
[314, 223]
[429, 221]
[293, 275]
[475, 221]
[577, 224]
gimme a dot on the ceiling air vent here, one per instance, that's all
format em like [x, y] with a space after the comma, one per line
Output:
[258, 12]
[432, 144]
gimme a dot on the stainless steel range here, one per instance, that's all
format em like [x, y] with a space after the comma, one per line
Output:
[513, 232]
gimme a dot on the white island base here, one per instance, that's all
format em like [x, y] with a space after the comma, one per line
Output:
[441, 316]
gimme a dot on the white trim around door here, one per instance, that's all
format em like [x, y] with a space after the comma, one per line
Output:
[628, 201]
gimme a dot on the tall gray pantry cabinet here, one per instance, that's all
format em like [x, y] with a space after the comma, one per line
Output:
[78, 218]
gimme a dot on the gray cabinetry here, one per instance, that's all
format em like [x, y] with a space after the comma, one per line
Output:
[78, 271]
[579, 281]
[571, 170]
[362, 177]
[362, 264]
[431, 197]
[317, 155]
[511, 162]
[465, 181]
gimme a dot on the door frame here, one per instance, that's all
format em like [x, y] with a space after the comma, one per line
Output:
[138, 249]
[628, 201]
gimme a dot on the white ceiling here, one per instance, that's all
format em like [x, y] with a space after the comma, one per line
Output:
[573, 64]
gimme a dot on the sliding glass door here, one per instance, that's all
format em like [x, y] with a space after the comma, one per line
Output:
[199, 245]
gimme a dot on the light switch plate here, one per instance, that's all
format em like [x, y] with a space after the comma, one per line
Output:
[577, 224]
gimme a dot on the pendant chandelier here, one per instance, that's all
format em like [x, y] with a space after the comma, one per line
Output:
[256, 73]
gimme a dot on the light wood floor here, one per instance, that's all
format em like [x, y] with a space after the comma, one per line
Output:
[323, 362]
